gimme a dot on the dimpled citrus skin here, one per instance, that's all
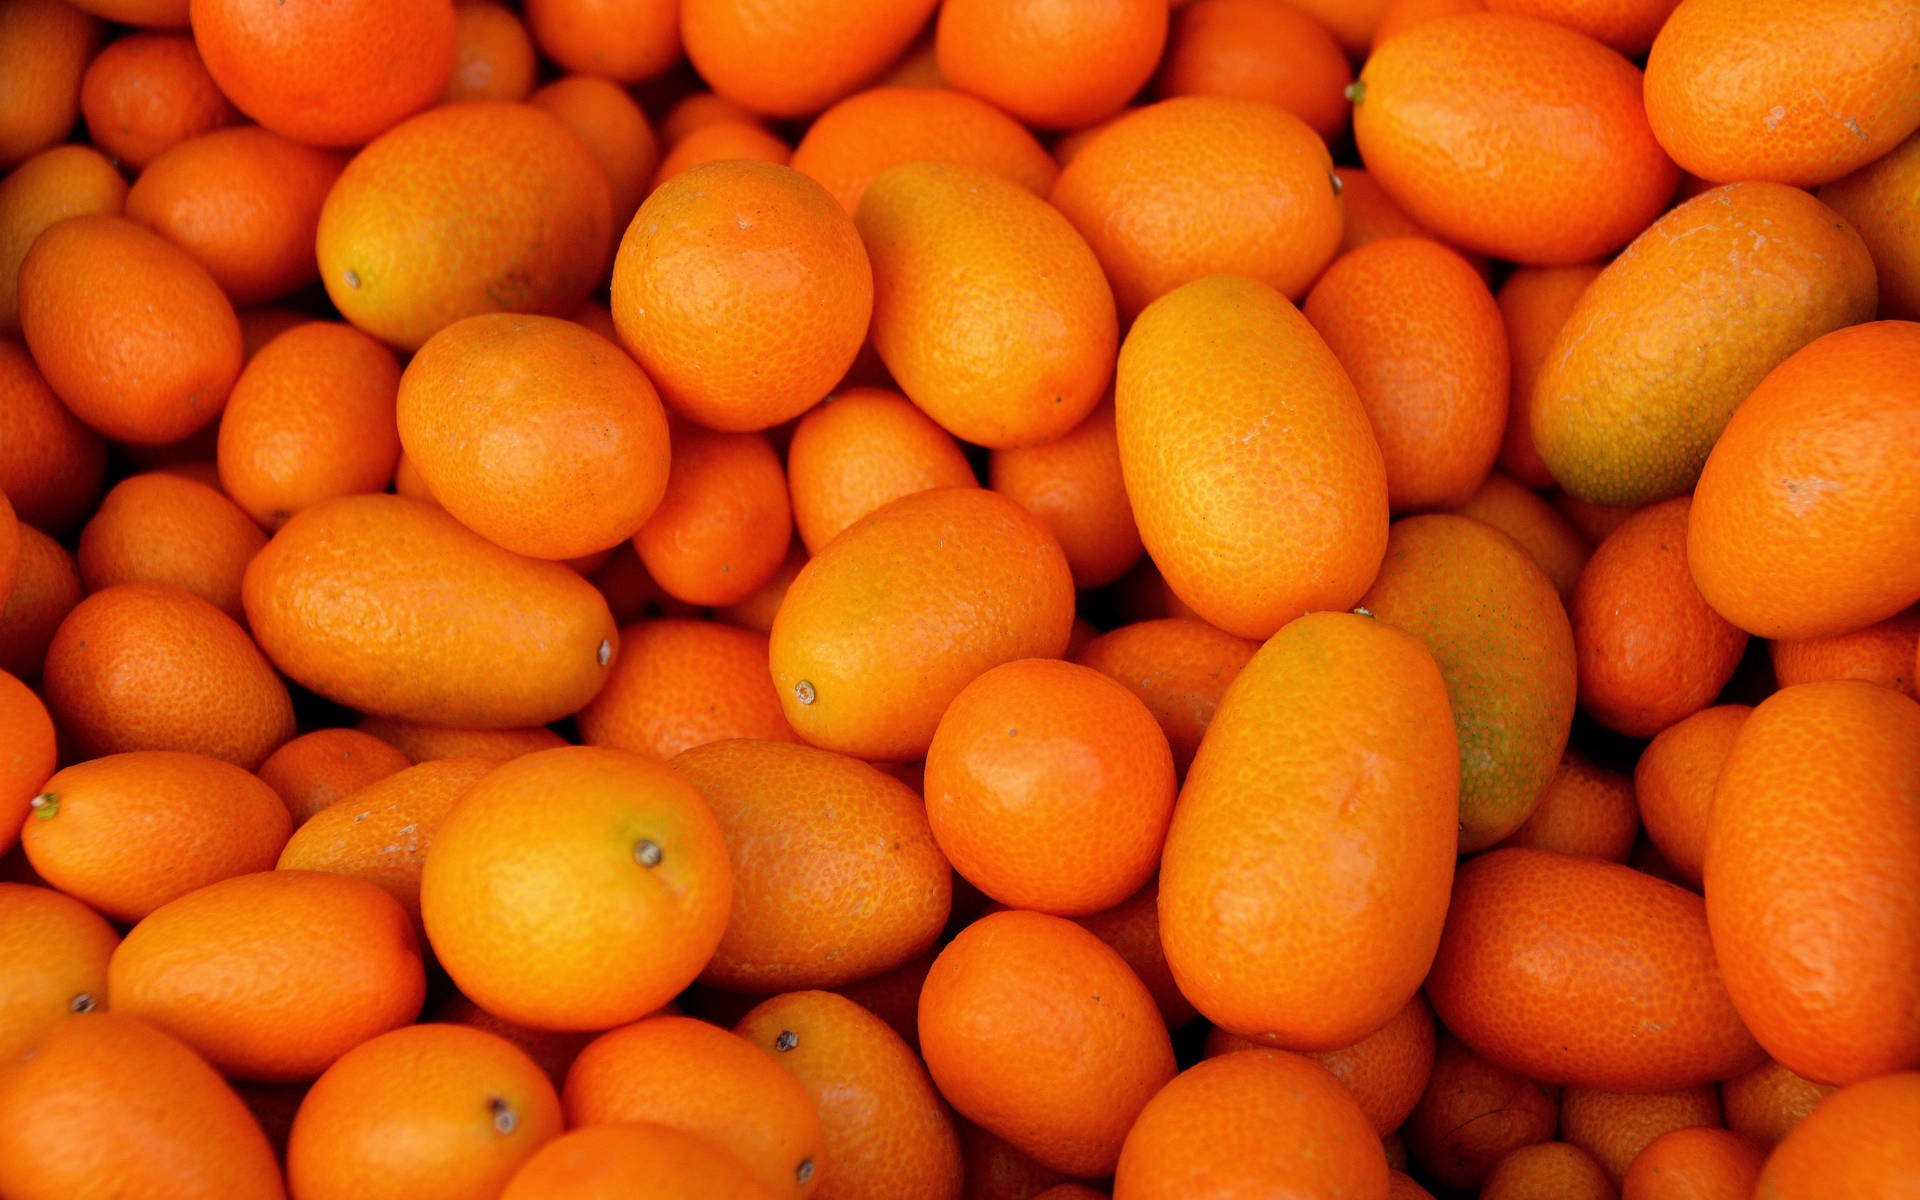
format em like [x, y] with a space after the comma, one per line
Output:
[540, 901]
[1200, 185]
[1859, 1142]
[1717, 1164]
[59, 182]
[394, 608]
[743, 291]
[480, 206]
[126, 833]
[1882, 653]
[1049, 786]
[1812, 894]
[44, 48]
[430, 1112]
[1577, 971]
[333, 75]
[273, 975]
[1647, 371]
[1806, 522]
[1304, 880]
[1512, 137]
[817, 903]
[1796, 91]
[245, 203]
[132, 334]
[1179, 666]
[1614, 1127]
[1038, 1031]
[890, 620]
[1768, 1101]
[1422, 340]
[1385, 1072]
[381, 832]
[1254, 474]
[144, 666]
[1059, 65]
[1495, 626]
[600, 1161]
[1258, 50]
[1651, 650]
[1472, 1114]
[56, 951]
[863, 135]
[707, 1081]
[1585, 809]
[860, 449]
[989, 309]
[795, 58]
[111, 1106]
[1876, 201]
[1252, 1123]
[888, 1133]
[540, 435]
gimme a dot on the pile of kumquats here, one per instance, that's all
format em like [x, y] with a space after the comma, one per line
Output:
[959, 599]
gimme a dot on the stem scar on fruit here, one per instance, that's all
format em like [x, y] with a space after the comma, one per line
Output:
[81, 1003]
[604, 653]
[806, 1170]
[787, 1040]
[803, 692]
[45, 805]
[352, 278]
[647, 852]
[504, 1120]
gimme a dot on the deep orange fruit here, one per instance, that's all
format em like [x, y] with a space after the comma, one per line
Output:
[404, 250]
[1808, 878]
[706, 1081]
[886, 1130]
[1806, 515]
[989, 309]
[272, 976]
[535, 433]
[1513, 137]
[1035, 1029]
[424, 1110]
[491, 639]
[771, 340]
[132, 334]
[1514, 980]
[1212, 475]
[883, 627]
[1049, 786]
[108, 1105]
[549, 873]
[1493, 623]
[817, 903]
[1267, 832]
[1257, 1122]
[1422, 340]
[332, 75]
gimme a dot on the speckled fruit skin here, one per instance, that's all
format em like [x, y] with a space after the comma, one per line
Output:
[1576, 971]
[1647, 370]
[1813, 894]
[1512, 137]
[887, 623]
[394, 608]
[1304, 880]
[1254, 474]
